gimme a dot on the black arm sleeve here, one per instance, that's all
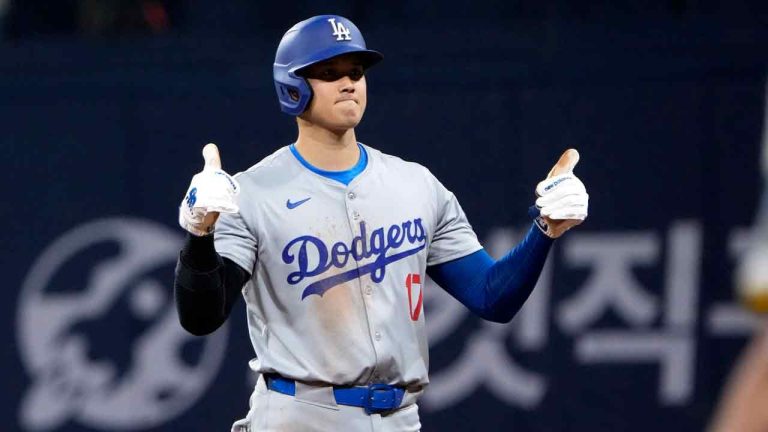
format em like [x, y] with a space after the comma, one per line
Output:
[206, 286]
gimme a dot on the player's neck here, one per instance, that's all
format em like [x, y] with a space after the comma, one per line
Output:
[326, 149]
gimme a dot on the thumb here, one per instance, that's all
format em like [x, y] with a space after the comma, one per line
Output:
[211, 156]
[566, 163]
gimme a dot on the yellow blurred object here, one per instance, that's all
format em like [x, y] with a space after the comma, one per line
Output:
[756, 303]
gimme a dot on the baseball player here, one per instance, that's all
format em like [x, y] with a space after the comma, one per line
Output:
[329, 241]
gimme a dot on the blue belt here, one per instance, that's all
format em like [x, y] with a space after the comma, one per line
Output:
[375, 398]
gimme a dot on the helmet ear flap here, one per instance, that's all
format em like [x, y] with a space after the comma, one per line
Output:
[294, 94]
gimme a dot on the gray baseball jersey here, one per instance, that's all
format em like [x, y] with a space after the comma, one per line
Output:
[335, 294]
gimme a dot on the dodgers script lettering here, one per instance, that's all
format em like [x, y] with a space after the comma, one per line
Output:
[313, 257]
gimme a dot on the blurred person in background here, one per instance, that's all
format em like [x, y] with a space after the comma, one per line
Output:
[743, 402]
[124, 16]
[31, 18]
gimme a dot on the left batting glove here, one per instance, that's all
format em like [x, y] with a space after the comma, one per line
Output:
[562, 199]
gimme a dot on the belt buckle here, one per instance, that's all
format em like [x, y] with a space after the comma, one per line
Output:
[388, 399]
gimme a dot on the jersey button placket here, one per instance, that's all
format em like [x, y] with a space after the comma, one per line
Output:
[355, 214]
[367, 289]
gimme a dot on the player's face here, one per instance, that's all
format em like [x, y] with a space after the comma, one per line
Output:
[339, 93]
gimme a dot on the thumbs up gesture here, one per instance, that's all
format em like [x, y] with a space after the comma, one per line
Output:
[562, 200]
[211, 191]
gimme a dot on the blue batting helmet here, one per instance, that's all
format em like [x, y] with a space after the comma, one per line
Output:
[308, 42]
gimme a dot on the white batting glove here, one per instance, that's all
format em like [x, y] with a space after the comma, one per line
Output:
[562, 199]
[211, 191]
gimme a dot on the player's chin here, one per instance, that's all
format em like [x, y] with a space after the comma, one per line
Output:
[349, 118]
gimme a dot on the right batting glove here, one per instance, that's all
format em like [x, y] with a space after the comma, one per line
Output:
[210, 192]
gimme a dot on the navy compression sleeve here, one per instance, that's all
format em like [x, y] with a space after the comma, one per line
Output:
[495, 290]
[206, 286]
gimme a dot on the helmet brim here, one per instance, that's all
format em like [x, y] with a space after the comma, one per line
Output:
[367, 57]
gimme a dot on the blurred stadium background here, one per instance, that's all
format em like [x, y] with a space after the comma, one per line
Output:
[634, 326]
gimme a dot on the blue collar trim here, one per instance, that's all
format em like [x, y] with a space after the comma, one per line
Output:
[345, 176]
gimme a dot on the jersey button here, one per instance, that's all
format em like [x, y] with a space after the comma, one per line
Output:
[368, 290]
[351, 195]
[355, 215]
[377, 335]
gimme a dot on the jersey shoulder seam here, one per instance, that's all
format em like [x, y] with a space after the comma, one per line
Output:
[266, 162]
[396, 159]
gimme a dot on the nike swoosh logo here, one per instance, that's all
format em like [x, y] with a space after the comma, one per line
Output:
[291, 205]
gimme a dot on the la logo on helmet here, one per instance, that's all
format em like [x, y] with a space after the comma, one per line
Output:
[341, 32]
